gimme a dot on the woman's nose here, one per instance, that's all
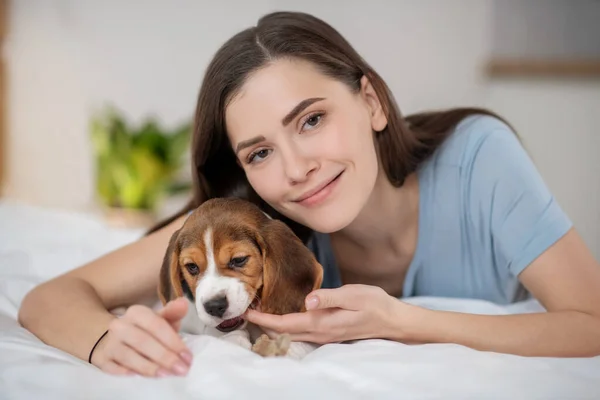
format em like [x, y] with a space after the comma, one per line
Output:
[298, 167]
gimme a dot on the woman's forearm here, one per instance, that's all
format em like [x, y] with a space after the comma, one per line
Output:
[550, 334]
[67, 314]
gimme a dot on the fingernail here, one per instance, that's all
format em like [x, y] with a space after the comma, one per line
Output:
[187, 357]
[180, 368]
[161, 373]
[312, 302]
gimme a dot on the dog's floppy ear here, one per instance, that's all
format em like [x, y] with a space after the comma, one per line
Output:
[169, 286]
[290, 270]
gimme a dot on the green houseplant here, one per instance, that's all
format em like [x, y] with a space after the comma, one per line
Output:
[137, 167]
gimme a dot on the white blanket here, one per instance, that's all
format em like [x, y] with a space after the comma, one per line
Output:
[36, 245]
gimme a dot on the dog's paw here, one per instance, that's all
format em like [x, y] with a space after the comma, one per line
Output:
[268, 347]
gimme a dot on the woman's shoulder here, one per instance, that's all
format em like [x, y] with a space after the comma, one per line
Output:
[473, 133]
[498, 190]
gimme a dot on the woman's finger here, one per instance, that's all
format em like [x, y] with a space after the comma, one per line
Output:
[288, 323]
[174, 311]
[294, 337]
[152, 349]
[116, 369]
[347, 297]
[132, 360]
[307, 337]
[271, 333]
[158, 327]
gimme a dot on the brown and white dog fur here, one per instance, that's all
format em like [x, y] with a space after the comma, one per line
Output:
[229, 256]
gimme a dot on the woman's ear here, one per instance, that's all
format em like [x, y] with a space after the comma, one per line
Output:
[290, 270]
[376, 111]
[169, 285]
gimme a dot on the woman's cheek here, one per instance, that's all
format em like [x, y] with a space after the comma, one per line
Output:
[264, 184]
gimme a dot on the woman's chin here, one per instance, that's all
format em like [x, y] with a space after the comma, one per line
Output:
[327, 221]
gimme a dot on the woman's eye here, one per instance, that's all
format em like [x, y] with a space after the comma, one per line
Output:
[238, 262]
[259, 155]
[312, 121]
[192, 268]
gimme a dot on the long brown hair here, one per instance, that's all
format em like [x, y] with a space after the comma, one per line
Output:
[403, 144]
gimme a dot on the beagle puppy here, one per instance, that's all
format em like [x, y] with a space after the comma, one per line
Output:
[228, 256]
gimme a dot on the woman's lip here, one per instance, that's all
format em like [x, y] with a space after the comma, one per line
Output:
[321, 193]
[311, 193]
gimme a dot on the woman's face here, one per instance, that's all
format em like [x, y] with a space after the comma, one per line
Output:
[306, 142]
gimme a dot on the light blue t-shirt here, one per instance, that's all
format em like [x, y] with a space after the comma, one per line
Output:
[484, 215]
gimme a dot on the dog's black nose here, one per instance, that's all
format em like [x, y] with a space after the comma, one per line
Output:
[216, 306]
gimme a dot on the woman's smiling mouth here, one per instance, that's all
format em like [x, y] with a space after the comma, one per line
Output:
[319, 194]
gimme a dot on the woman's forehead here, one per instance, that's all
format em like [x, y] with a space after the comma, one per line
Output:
[270, 93]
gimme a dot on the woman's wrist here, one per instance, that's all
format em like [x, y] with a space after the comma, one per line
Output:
[96, 348]
[407, 322]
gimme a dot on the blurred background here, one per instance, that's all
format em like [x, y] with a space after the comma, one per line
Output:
[97, 95]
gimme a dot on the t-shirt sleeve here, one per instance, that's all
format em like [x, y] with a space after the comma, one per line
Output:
[320, 245]
[511, 199]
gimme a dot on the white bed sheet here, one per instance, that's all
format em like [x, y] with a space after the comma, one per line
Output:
[37, 244]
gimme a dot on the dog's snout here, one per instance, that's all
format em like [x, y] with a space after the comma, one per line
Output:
[216, 306]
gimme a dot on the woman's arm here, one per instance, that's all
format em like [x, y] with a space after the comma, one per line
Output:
[566, 281]
[70, 312]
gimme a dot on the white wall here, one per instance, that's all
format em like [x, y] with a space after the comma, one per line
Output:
[68, 57]
[559, 122]
[558, 119]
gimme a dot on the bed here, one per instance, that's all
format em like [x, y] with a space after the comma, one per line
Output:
[37, 244]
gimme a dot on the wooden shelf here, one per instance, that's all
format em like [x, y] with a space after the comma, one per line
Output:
[550, 68]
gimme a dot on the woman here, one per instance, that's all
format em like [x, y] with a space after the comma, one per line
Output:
[290, 117]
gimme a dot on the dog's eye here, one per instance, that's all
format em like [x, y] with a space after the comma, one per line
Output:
[238, 262]
[192, 268]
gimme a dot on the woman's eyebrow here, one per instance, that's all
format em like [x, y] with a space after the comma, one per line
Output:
[247, 143]
[299, 108]
[285, 121]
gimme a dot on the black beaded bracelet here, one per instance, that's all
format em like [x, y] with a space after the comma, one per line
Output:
[93, 348]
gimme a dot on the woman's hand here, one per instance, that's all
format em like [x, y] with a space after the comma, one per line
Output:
[145, 342]
[335, 315]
